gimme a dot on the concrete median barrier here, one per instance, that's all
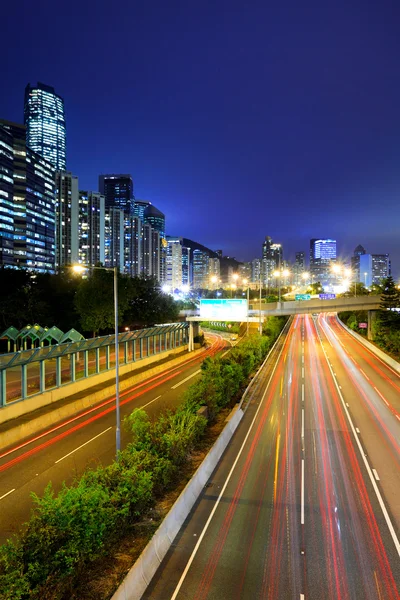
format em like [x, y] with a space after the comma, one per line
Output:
[379, 353]
[135, 583]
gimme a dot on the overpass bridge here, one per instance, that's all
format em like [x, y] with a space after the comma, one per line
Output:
[258, 312]
[316, 305]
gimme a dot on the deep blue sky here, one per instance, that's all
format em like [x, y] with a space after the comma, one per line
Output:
[237, 119]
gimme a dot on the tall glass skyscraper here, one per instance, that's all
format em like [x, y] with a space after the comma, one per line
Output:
[45, 122]
[117, 190]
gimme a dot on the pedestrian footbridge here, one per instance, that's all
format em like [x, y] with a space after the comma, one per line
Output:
[315, 305]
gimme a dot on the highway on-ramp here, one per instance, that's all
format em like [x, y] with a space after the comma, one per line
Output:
[304, 503]
[66, 449]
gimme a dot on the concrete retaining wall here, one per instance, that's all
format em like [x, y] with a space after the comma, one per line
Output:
[32, 424]
[140, 575]
[377, 351]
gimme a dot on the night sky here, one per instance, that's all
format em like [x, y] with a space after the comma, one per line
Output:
[237, 119]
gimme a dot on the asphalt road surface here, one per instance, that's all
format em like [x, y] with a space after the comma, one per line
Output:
[305, 502]
[65, 450]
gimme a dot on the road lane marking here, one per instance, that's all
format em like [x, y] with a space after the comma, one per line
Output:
[302, 491]
[82, 445]
[185, 380]
[358, 431]
[368, 468]
[302, 392]
[302, 372]
[375, 474]
[7, 494]
[397, 417]
[302, 422]
[206, 526]
[151, 402]
[301, 596]
[276, 464]
[383, 398]
[365, 375]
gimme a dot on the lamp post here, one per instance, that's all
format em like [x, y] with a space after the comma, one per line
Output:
[214, 280]
[259, 312]
[80, 269]
[248, 304]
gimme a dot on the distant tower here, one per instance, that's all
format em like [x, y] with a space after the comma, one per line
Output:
[44, 118]
[355, 262]
[117, 191]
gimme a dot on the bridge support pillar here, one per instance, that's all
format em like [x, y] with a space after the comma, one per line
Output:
[371, 319]
[193, 332]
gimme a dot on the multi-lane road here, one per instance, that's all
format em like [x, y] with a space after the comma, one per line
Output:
[65, 450]
[305, 502]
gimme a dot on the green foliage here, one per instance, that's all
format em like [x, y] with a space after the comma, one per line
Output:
[69, 530]
[148, 304]
[221, 326]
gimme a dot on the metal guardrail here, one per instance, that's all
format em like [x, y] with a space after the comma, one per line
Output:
[30, 372]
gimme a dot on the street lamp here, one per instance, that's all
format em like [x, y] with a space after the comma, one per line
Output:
[80, 269]
[248, 304]
[365, 278]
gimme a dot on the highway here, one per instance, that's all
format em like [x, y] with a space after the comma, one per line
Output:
[65, 450]
[304, 503]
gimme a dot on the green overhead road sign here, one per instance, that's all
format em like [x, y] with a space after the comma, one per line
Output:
[302, 297]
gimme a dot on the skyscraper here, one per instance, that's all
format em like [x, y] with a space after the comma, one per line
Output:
[174, 262]
[114, 238]
[355, 262]
[45, 122]
[117, 191]
[200, 269]
[67, 218]
[322, 257]
[6, 198]
[272, 258]
[299, 267]
[91, 228]
[374, 268]
[33, 196]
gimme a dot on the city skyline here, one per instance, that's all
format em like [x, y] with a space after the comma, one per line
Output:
[255, 137]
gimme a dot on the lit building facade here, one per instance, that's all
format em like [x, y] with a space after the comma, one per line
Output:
[355, 262]
[114, 238]
[67, 219]
[299, 267]
[174, 262]
[200, 269]
[91, 228]
[6, 198]
[33, 197]
[44, 118]
[186, 276]
[374, 268]
[272, 258]
[133, 246]
[117, 190]
[322, 258]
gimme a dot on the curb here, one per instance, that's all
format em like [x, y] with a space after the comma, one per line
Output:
[137, 580]
[379, 353]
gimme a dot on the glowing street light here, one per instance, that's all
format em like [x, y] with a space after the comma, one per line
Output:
[81, 269]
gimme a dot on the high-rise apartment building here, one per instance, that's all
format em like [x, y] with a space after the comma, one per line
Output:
[6, 198]
[299, 267]
[186, 276]
[374, 268]
[114, 238]
[322, 258]
[91, 228]
[117, 190]
[33, 199]
[200, 269]
[256, 265]
[174, 262]
[272, 259]
[133, 246]
[44, 118]
[67, 219]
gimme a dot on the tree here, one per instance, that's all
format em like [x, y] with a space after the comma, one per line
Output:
[148, 305]
[94, 300]
[390, 299]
